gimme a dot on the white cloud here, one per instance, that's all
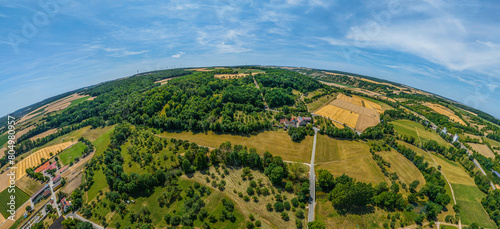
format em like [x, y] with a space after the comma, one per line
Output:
[178, 55]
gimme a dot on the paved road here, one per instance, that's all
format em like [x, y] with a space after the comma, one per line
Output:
[54, 204]
[312, 180]
[95, 225]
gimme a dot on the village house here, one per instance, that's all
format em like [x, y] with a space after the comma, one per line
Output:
[65, 204]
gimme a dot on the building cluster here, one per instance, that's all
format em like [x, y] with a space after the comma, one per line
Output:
[41, 194]
[45, 167]
[295, 122]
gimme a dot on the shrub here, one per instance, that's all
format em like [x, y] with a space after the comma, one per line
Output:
[269, 207]
[287, 205]
[300, 214]
[278, 206]
[284, 216]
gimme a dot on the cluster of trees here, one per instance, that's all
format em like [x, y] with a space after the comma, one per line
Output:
[490, 204]
[347, 194]
[325, 91]
[299, 133]
[378, 131]
[399, 113]
[280, 78]
[334, 132]
[348, 80]
[278, 97]
[37, 176]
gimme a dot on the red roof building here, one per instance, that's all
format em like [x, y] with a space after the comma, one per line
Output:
[43, 167]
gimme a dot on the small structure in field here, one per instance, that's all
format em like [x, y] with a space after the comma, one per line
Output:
[455, 138]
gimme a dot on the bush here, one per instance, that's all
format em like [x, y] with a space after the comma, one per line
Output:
[269, 207]
[295, 202]
[258, 223]
[287, 206]
[246, 198]
[250, 191]
[284, 216]
[289, 186]
[300, 214]
[250, 225]
[251, 217]
[278, 206]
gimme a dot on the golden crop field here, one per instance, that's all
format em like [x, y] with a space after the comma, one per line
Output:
[445, 111]
[482, 149]
[33, 160]
[342, 115]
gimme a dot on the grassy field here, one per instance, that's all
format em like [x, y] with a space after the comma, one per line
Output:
[28, 185]
[466, 192]
[102, 142]
[21, 197]
[482, 149]
[320, 102]
[331, 149]
[276, 142]
[410, 128]
[3, 139]
[78, 101]
[347, 157]
[68, 155]
[469, 198]
[100, 183]
[405, 169]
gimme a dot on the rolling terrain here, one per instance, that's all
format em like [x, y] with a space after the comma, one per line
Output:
[230, 147]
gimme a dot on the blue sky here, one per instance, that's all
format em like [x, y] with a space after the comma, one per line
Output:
[451, 48]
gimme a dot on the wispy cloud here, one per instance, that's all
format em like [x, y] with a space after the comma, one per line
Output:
[178, 55]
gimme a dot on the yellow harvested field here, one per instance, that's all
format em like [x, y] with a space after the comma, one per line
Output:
[201, 69]
[44, 134]
[33, 160]
[356, 113]
[445, 111]
[51, 107]
[482, 149]
[338, 114]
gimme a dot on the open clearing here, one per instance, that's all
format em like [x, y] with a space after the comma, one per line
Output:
[164, 81]
[276, 142]
[68, 155]
[482, 149]
[28, 185]
[469, 198]
[319, 102]
[419, 132]
[33, 160]
[405, 169]
[445, 111]
[347, 157]
[466, 192]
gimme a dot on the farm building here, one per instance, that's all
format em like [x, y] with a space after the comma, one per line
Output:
[295, 121]
[445, 131]
[57, 184]
[43, 167]
[455, 138]
[56, 179]
[63, 168]
[65, 204]
[41, 194]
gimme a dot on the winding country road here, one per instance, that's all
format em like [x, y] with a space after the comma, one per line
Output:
[312, 180]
